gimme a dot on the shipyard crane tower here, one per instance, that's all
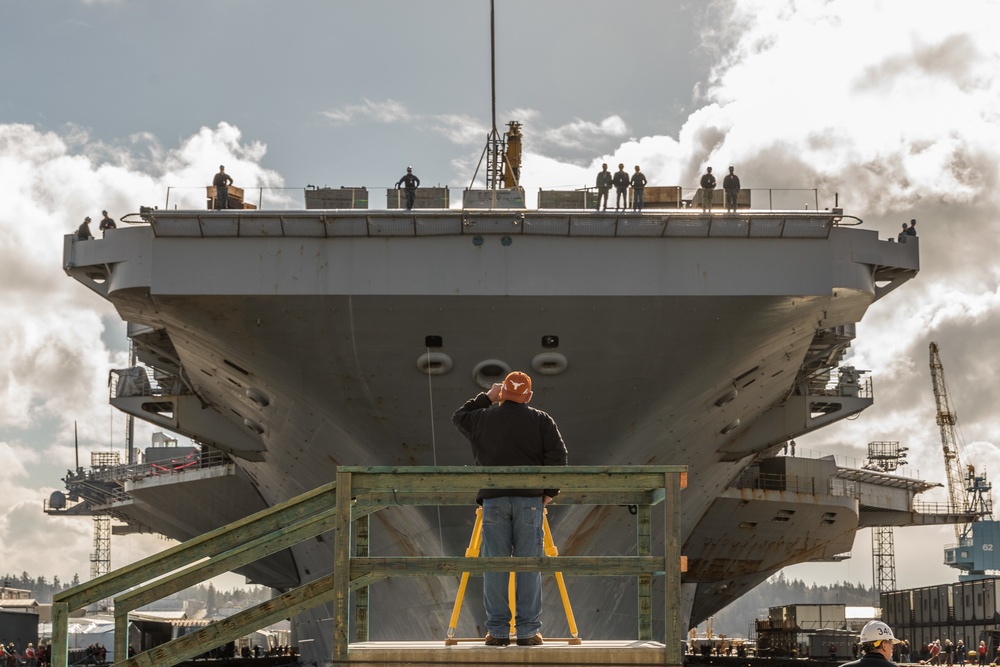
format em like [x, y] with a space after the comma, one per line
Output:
[946, 421]
[884, 457]
[978, 542]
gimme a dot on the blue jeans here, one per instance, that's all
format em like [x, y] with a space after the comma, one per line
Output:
[512, 526]
[637, 198]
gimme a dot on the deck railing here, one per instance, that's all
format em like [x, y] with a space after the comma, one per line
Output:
[187, 460]
[345, 505]
[382, 198]
[144, 381]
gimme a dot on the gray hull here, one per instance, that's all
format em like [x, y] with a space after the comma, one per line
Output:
[307, 340]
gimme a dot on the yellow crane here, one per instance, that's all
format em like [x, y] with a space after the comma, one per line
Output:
[978, 540]
[946, 420]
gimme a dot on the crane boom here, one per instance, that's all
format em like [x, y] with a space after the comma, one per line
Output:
[946, 420]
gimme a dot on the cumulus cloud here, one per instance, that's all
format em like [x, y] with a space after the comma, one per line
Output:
[890, 110]
[582, 134]
[893, 108]
[460, 130]
[53, 348]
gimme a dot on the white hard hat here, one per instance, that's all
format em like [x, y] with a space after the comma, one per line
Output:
[875, 631]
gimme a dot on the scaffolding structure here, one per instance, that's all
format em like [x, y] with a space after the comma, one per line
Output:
[887, 457]
[100, 557]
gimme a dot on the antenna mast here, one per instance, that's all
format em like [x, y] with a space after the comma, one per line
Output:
[493, 71]
[503, 156]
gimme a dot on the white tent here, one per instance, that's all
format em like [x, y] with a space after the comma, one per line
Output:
[85, 631]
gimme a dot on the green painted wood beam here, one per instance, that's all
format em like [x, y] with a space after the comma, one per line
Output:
[361, 601]
[233, 627]
[644, 547]
[357, 493]
[207, 545]
[422, 566]
[385, 498]
[342, 566]
[447, 479]
[60, 634]
[567, 472]
[121, 634]
[672, 632]
[250, 552]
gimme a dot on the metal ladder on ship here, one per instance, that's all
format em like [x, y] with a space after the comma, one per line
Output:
[549, 546]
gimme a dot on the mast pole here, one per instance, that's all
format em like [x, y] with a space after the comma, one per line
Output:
[493, 70]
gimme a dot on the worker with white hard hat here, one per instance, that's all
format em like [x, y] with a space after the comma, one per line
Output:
[876, 640]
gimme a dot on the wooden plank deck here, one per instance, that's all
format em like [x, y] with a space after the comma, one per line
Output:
[476, 654]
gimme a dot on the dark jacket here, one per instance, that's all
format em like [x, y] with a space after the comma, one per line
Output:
[510, 434]
[870, 660]
[604, 180]
[708, 181]
[731, 182]
[638, 180]
[621, 179]
[408, 181]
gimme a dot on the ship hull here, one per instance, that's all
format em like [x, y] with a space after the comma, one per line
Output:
[304, 353]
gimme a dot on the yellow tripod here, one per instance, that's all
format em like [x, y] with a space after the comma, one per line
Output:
[473, 552]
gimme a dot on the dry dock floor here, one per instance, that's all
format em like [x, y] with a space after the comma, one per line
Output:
[476, 654]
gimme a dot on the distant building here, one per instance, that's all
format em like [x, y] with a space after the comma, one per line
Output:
[8, 593]
[857, 617]
[809, 630]
[966, 610]
[17, 600]
[19, 627]
[26, 606]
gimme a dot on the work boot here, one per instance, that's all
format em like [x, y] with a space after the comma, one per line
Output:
[535, 640]
[498, 641]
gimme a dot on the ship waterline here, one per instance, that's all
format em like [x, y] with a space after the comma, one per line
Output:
[300, 341]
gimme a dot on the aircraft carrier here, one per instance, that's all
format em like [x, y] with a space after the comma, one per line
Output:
[286, 343]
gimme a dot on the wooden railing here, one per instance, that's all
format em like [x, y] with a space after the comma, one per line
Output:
[357, 493]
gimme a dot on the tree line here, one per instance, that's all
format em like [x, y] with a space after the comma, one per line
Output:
[42, 590]
[733, 621]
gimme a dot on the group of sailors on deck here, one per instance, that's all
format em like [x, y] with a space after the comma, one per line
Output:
[907, 231]
[83, 231]
[621, 182]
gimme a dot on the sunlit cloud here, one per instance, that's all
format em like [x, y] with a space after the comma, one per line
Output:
[582, 134]
[389, 111]
[460, 130]
[53, 388]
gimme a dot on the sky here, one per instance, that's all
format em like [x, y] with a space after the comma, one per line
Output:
[888, 108]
